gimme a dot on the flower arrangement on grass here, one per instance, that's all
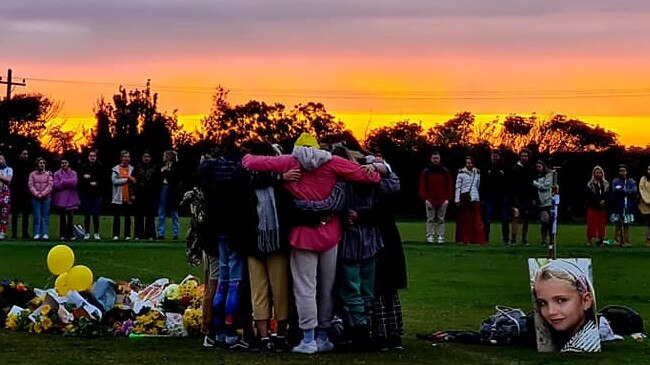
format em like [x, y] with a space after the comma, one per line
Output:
[18, 322]
[192, 321]
[177, 298]
[151, 323]
[13, 292]
[46, 320]
[123, 329]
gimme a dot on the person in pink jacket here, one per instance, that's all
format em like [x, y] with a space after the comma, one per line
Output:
[40, 186]
[66, 199]
[314, 252]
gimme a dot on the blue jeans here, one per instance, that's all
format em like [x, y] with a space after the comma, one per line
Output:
[225, 304]
[499, 206]
[41, 216]
[230, 262]
[162, 213]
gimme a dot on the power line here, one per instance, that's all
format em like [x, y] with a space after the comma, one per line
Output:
[389, 94]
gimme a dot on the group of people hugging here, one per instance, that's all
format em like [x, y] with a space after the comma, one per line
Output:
[306, 242]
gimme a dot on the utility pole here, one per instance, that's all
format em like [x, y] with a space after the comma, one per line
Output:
[10, 83]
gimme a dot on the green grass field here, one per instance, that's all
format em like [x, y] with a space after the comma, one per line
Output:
[451, 287]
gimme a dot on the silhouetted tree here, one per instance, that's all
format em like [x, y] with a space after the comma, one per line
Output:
[234, 125]
[456, 131]
[133, 122]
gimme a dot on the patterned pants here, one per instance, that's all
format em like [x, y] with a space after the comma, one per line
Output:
[5, 208]
[387, 318]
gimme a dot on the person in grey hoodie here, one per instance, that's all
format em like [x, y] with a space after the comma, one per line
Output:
[543, 183]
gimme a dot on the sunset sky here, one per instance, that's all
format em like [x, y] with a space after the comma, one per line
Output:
[369, 61]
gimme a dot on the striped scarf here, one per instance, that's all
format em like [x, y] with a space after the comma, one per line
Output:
[268, 233]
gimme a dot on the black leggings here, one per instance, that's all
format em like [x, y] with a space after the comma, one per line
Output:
[66, 221]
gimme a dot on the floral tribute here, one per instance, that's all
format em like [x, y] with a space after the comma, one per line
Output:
[118, 309]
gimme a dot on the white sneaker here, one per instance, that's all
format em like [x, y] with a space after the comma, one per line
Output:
[3, 235]
[306, 348]
[441, 239]
[430, 239]
[127, 238]
[208, 342]
[324, 346]
[96, 237]
[37, 236]
[86, 236]
[46, 237]
[116, 238]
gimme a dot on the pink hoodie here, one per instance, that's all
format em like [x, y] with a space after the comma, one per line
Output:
[314, 184]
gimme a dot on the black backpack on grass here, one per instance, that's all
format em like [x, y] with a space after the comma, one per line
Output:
[623, 320]
[507, 326]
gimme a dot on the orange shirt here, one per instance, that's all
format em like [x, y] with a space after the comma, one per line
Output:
[124, 173]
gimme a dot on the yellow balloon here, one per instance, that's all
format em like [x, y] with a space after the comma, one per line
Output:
[60, 259]
[80, 278]
[61, 284]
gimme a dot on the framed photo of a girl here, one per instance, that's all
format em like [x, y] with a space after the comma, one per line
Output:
[565, 305]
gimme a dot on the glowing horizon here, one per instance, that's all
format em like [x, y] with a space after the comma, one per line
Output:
[364, 60]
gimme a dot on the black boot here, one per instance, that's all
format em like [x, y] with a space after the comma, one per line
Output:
[361, 338]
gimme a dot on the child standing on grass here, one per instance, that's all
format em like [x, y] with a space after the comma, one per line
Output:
[40, 186]
[65, 198]
[6, 173]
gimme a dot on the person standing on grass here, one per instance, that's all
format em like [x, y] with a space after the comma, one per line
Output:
[6, 174]
[644, 203]
[521, 195]
[66, 199]
[314, 253]
[91, 188]
[20, 197]
[169, 194]
[263, 235]
[493, 196]
[122, 201]
[469, 225]
[222, 187]
[543, 183]
[436, 189]
[146, 197]
[624, 193]
[40, 184]
[390, 271]
[598, 189]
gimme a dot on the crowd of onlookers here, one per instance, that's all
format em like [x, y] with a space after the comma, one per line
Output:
[516, 194]
[144, 191]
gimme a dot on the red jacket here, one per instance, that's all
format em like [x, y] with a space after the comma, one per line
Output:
[436, 185]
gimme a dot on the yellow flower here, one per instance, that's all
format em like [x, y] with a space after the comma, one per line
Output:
[12, 322]
[37, 328]
[47, 323]
[45, 309]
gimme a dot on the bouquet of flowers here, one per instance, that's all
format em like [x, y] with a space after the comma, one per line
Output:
[86, 327]
[13, 292]
[192, 321]
[152, 322]
[177, 298]
[45, 320]
[18, 321]
[123, 329]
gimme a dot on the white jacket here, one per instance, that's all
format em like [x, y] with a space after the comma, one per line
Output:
[468, 181]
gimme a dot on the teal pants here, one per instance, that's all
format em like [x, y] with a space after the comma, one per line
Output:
[356, 289]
